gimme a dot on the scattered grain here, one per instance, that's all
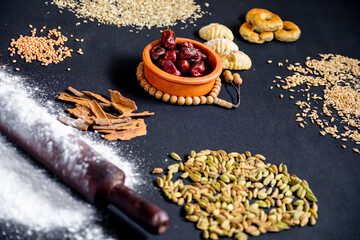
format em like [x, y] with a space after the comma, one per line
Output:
[157, 170]
[340, 100]
[139, 13]
[47, 49]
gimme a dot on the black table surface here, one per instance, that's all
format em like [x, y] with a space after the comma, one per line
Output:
[263, 123]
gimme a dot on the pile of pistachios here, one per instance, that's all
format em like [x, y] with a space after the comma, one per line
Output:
[237, 195]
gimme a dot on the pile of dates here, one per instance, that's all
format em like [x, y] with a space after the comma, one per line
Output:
[180, 59]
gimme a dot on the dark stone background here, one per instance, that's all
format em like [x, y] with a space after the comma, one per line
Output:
[263, 123]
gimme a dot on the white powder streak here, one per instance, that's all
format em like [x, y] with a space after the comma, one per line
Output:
[31, 197]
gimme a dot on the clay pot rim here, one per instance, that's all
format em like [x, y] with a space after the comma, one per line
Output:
[180, 79]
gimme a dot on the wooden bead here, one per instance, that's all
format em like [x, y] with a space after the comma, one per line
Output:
[223, 103]
[146, 87]
[213, 94]
[143, 82]
[173, 99]
[181, 101]
[237, 79]
[228, 76]
[152, 91]
[188, 101]
[202, 100]
[158, 94]
[196, 100]
[210, 100]
[140, 75]
[166, 97]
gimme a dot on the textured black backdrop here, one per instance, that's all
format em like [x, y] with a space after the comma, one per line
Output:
[262, 124]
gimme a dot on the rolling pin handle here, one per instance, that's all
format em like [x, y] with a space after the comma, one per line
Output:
[146, 214]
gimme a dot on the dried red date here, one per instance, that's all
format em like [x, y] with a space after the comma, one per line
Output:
[168, 39]
[186, 44]
[156, 52]
[168, 66]
[189, 54]
[203, 56]
[197, 69]
[179, 58]
[170, 55]
[183, 65]
[177, 54]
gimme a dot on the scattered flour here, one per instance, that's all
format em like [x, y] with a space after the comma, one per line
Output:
[30, 197]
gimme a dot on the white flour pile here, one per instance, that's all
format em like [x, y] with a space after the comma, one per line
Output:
[30, 197]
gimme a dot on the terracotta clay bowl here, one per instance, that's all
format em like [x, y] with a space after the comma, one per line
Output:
[178, 85]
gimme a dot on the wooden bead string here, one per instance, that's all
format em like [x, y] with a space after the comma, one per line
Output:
[197, 100]
[236, 81]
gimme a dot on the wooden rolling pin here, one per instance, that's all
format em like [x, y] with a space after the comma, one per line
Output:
[73, 160]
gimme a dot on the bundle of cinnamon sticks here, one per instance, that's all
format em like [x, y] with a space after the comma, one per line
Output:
[115, 118]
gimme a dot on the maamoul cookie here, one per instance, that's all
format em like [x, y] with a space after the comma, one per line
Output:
[235, 60]
[215, 30]
[220, 45]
